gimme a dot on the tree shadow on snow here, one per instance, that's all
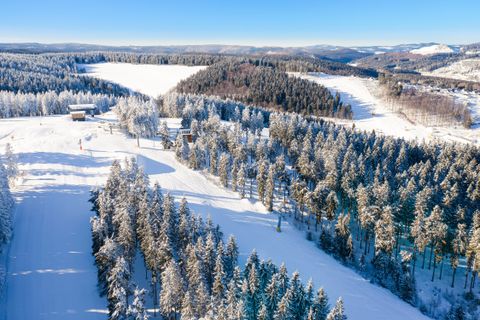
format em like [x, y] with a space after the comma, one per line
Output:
[77, 160]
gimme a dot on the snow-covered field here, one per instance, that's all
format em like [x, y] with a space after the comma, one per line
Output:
[149, 79]
[369, 113]
[467, 69]
[434, 49]
[50, 272]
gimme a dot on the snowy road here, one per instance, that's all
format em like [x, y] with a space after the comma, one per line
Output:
[370, 113]
[50, 271]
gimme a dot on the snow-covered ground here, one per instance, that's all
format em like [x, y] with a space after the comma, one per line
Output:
[369, 113]
[434, 49]
[467, 69]
[50, 272]
[149, 79]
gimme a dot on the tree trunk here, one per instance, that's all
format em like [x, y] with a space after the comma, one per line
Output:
[453, 277]
[423, 262]
[434, 268]
[472, 281]
[430, 259]
[466, 278]
[414, 261]
[441, 269]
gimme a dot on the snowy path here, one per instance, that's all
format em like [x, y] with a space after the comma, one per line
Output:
[50, 271]
[369, 113]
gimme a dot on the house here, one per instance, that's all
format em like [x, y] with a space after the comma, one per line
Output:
[186, 134]
[79, 111]
[78, 115]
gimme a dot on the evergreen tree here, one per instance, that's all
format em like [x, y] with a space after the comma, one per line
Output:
[241, 180]
[223, 169]
[337, 313]
[270, 188]
[136, 311]
[172, 292]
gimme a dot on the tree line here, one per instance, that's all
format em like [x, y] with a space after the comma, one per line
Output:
[193, 274]
[48, 103]
[8, 174]
[378, 204]
[29, 73]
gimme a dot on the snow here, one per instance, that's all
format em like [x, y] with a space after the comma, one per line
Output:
[149, 79]
[467, 69]
[435, 49]
[50, 271]
[369, 113]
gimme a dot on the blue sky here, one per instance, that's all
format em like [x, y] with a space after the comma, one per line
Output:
[260, 23]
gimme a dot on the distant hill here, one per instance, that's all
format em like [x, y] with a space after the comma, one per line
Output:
[434, 49]
[329, 52]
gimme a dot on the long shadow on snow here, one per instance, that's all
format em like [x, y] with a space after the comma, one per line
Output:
[64, 159]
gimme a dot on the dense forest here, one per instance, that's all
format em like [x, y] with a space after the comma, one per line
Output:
[192, 272]
[282, 63]
[384, 206]
[267, 87]
[30, 73]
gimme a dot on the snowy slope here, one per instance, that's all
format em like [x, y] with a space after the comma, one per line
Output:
[369, 113]
[435, 49]
[467, 69]
[149, 79]
[50, 270]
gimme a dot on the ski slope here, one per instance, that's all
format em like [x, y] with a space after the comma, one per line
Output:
[50, 272]
[149, 79]
[370, 113]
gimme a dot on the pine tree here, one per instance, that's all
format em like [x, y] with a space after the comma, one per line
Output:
[437, 231]
[271, 298]
[337, 313]
[136, 311]
[11, 164]
[118, 289]
[188, 307]
[252, 294]
[459, 247]
[218, 287]
[231, 257]
[172, 292]
[473, 250]
[241, 180]
[261, 179]
[223, 169]
[320, 305]
[270, 188]
[165, 135]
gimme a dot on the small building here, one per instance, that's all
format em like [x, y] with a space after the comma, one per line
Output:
[78, 115]
[186, 134]
[79, 111]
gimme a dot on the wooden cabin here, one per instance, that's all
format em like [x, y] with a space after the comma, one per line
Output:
[77, 115]
[186, 134]
[78, 112]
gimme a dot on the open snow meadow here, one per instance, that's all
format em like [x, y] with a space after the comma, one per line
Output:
[50, 269]
[148, 79]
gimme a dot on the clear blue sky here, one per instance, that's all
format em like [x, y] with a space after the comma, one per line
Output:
[255, 22]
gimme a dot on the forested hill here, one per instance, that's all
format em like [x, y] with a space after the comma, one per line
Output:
[265, 86]
[30, 73]
[283, 63]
